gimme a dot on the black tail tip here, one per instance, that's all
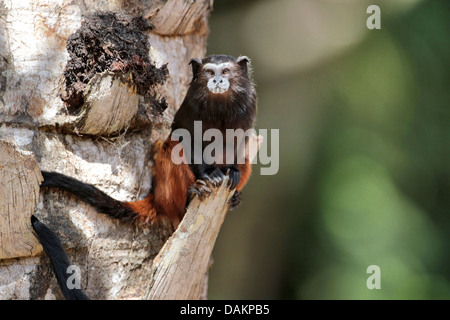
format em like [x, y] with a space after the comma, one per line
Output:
[35, 222]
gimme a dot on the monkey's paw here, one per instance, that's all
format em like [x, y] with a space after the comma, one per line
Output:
[215, 177]
[199, 188]
[235, 200]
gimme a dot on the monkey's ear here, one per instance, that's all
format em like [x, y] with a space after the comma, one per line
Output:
[243, 62]
[195, 63]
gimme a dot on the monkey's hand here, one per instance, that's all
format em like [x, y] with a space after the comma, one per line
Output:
[213, 175]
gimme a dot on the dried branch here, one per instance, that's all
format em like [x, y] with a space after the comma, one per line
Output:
[180, 268]
[19, 195]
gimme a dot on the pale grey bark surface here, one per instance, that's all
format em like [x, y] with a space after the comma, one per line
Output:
[109, 148]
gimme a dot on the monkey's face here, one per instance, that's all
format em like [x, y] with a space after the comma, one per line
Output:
[221, 76]
[218, 76]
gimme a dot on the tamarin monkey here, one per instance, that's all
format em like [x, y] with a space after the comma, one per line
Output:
[222, 96]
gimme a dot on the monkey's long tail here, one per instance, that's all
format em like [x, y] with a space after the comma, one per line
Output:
[58, 257]
[91, 195]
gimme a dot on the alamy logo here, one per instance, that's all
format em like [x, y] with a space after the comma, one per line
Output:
[73, 282]
[374, 21]
[235, 146]
[374, 281]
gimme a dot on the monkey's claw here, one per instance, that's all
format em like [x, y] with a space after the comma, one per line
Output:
[235, 200]
[199, 188]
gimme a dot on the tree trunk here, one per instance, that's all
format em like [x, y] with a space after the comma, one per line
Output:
[85, 90]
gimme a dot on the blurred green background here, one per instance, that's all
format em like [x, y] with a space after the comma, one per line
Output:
[364, 172]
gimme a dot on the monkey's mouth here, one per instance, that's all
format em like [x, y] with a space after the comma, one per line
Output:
[218, 89]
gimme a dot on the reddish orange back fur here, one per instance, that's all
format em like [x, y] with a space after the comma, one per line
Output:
[172, 182]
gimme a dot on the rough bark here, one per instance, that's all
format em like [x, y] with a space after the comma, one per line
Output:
[106, 141]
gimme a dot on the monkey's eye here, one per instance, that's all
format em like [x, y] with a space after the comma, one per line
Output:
[209, 72]
[225, 71]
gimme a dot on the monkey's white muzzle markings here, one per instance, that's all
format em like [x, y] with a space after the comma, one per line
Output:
[218, 75]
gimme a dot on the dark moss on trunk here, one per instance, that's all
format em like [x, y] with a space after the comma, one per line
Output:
[108, 41]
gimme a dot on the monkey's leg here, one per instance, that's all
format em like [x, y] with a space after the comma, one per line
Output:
[171, 182]
[235, 200]
[245, 171]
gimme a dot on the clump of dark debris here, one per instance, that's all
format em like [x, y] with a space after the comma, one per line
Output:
[114, 42]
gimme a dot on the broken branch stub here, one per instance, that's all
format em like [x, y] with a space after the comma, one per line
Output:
[19, 195]
[180, 268]
[109, 73]
[111, 102]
